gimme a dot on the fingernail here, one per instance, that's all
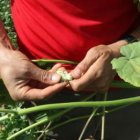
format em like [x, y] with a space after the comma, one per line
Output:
[77, 73]
[55, 77]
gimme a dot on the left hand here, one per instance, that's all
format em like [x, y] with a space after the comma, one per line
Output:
[94, 72]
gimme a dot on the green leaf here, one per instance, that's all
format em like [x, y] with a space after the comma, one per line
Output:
[128, 65]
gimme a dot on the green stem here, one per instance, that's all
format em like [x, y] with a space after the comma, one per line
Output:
[79, 104]
[42, 121]
[27, 128]
[43, 132]
[4, 118]
[118, 108]
[68, 121]
[8, 111]
[86, 116]
[55, 61]
[103, 119]
[87, 123]
[112, 110]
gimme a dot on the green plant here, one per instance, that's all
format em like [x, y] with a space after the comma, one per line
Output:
[15, 120]
[129, 64]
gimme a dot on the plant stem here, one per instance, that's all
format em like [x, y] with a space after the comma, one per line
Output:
[42, 121]
[87, 123]
[117, 108]
[55, 61]
[4, 118]
[68, 121]
[86, 116]
[41, 135]
[29, 127]
[73, 119]
[103, 126]
[79, 104]
[8, 111]
[103, 119]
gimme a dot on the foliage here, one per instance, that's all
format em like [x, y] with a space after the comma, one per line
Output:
[5, 15]
[128, 65]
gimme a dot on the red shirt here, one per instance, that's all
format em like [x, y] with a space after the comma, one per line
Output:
[67, 29]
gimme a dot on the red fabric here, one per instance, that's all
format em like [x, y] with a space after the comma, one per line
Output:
[67, 29]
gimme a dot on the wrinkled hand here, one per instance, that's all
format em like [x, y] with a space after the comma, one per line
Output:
[94, 72]
[24, 80]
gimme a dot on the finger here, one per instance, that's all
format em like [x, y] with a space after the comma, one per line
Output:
[45, 76]
[90, 76]
[38, 94]
[62, 69]
[55, 67]
[84, 65]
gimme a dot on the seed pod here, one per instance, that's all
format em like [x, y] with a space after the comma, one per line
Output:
[65, 76]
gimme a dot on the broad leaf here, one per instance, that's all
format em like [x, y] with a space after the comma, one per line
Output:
[128, 65]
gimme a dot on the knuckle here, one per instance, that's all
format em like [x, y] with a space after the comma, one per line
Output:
[92, 51]
[83, 67]
[107, 52]
[91, 56]
[45, 76]
[100, 50]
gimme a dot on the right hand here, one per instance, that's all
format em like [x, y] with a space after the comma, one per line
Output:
[24, 80]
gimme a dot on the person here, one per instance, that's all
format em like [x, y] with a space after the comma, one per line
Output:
[70, 30]
[88, 32]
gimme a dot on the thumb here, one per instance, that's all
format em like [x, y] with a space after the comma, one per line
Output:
[45, 76]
